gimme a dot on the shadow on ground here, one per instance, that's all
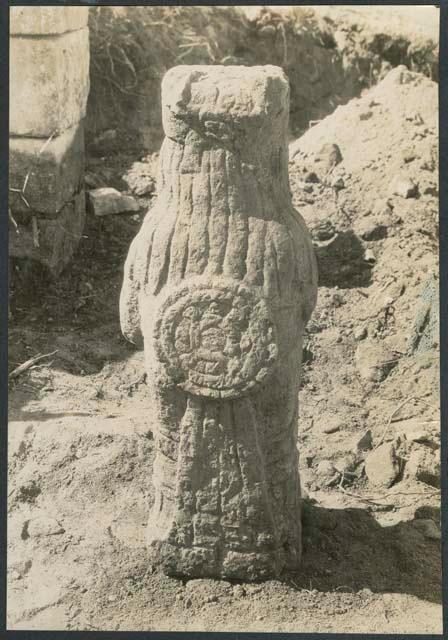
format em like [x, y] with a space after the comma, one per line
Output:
[348, 550]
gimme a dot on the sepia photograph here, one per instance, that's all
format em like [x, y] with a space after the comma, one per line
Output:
[223, 319]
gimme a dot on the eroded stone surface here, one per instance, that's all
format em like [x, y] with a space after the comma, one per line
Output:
[48, 83]
[54, 241]
[46, 20]
[218, 286]
[48, 173]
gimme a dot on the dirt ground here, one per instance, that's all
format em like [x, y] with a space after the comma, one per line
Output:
[80, 452]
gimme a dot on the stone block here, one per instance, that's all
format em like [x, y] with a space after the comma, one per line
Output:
[48, 83]
[106, 201]
[54, 169]
[58, 239]
[46, 20]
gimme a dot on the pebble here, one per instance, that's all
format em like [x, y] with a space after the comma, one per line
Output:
[332, 425]
[409, 154]
[239, 591]
[311, 176]
[360, 333]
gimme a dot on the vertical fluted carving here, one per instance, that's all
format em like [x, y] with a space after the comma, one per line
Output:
[219, 284]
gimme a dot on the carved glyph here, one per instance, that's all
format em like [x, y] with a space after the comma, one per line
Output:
[216, 341]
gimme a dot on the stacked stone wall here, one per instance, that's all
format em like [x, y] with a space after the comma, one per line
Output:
[48, 90]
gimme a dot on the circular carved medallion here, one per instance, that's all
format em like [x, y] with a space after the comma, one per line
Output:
[217, 341]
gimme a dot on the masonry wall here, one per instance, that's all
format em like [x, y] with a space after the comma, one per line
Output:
[49, 86]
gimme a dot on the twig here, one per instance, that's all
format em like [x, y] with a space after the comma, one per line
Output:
[409, 493]
[35, 232]
[362, 498]
[29, 363]
[373, 500]
[392, 415]
[11, 218]
[42, 149]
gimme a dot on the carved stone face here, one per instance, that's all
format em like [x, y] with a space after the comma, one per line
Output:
[223, 104]
[216, 341]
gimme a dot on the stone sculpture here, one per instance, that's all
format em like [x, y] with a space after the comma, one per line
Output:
[218, 286]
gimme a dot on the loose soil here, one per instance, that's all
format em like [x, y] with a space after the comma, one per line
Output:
[80, 452]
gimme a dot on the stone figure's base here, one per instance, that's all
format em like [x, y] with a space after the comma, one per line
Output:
[205, 562]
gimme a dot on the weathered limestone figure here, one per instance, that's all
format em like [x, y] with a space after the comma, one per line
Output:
[218, 286]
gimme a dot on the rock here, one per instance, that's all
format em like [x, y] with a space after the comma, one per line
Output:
[360, 333]
[45, 21]
[323, 230]
[346, 465]
[44, 526]
[337, 300]
[427, 512]
[58, 239]
[431, 190]
[370, 229]
[404, 187]
[374, 361]
[415, 430]
[428, 528]
[332, 424]
[43, 75]
[329, 156]
[381, 466]
[139, 179]
[106, 201]
[365, 115]
[310, 176]
[369, 256]
[423, 464]
[92, 180]
[337, 182]
[409, 154]
[239, 591]
[55, 170]
[326, 472]
[365, 442]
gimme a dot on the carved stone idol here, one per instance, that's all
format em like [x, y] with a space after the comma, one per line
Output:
[218, 286]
